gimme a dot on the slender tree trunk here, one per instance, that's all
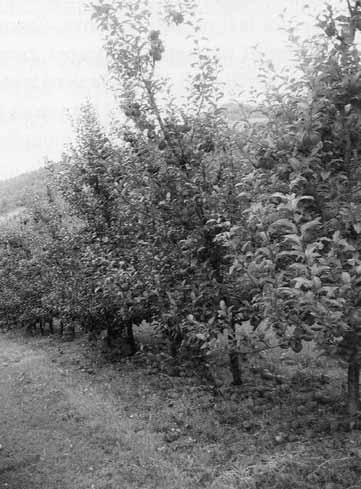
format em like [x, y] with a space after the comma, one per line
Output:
[51, 325]
[69, 332]
[61, 327]
[130, 338]
[234, 357]
[30, 328]
[110, 336]
[175, 338]
[235, 368]
[41, 326]
[174, 343]
[353, 384]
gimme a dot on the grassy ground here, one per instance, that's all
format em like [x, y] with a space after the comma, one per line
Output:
[69, 420]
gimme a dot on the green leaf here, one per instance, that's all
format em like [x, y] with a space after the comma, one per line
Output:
[314, 224]
[295, 239]
[302, 282]
[283, 224]
[346, 277]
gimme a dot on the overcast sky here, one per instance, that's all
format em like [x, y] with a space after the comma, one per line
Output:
[51, 61]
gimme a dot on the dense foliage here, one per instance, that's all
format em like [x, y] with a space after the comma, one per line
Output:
[197, 226]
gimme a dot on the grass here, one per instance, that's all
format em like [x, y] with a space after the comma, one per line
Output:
[137, 426]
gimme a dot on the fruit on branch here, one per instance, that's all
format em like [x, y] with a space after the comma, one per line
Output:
[156, 45]
[176, 17]
[132, 110]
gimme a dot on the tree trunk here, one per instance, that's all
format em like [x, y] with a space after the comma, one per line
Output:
[130, 338]
[51, 325]
[69, 332]
[41, 326]
[234, 357]
[175, 338]
[235, 368]
[353, 385]
[109, 336]
[31, 328]
[174, 344]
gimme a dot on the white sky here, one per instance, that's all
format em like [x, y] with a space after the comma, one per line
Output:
[51, 61]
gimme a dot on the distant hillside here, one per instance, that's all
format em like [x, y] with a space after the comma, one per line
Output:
[19, 192]
[237, 112]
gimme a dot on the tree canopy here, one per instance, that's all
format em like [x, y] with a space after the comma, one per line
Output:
[198, 225]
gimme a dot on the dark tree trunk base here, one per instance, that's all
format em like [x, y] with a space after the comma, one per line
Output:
[235, 368]
[69, 332]
[130, 339]
[353, 385]
[42, 326]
